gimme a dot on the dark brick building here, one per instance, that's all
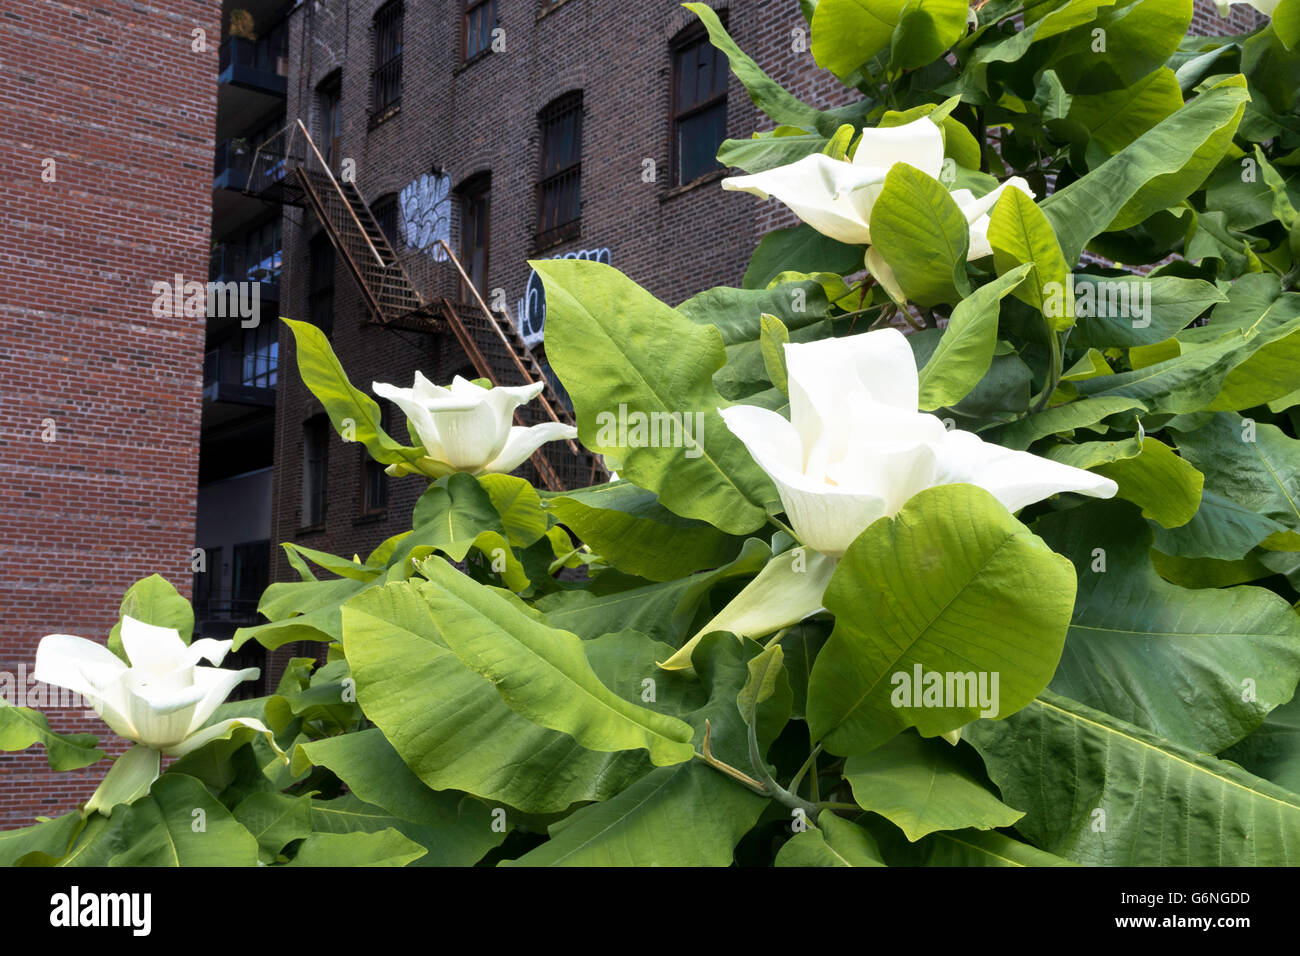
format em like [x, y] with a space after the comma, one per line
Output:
[107, 192]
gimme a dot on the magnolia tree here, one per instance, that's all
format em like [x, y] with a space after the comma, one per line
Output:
[1015, 588]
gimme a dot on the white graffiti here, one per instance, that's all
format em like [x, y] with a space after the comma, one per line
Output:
[426, 213]
[532, 307]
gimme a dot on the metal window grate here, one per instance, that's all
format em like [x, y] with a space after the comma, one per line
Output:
[560, 188]
[386, 80]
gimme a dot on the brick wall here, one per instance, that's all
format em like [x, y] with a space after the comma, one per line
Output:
[82, 358]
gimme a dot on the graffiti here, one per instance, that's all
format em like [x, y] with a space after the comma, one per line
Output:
[532, 307]
[426, 213]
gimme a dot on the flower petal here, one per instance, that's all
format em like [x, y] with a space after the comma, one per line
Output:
[918, 143]
[832, 196]
[207, 648]
[416, 413]
[882, 273]
[522, 442]
[216, 684]
[788, 589]
[1015, 478]
[217, 731]
[152, 649]
[66, 660]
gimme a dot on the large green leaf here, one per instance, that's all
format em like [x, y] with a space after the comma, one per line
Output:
[1157, 170]
[275, 820]
[922, 233]
[848, 33]
[349, 410]
[801, 249]
[1191, 379]
[1272, 751]
[1221, 530]
[1064, 419]
[1101, 791]
[156, 601]
[833, 842]
[177, 824]
[1020, 233]
[1273, 370]
[20, 727]
[453, 729]
[920, 786]
[456, 841]
[965, 351]
[456, 829]
[358, 848]
[1170, 304]
[1253, 465]
[620, 352]
[952, 585]
[1115, 119]
[1148, 473]
[542, 672]
[628, 527]
[1199, 667]
[450, 516]
[738, 314]
[42, 843]
[968, 848]
[687, 815]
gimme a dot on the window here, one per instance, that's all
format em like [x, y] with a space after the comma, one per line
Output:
[384, 209]
[480, 21]
[330, 127]
[207, 584]
[260, 354]
[264, 252]
[315, 460]
[560, 193]
[248, 575]
[386, 80]
[474, 231]
[374, 480]
[699, 121]
[320, 291]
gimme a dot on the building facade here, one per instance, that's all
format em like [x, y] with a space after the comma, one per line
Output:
[107, 195]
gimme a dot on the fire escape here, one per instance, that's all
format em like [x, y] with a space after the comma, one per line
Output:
[418, 293]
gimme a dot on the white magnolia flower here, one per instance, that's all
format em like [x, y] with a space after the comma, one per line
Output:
[1265, 7]
[470, 428]
[856, 448]
[162, 698]
[836, 196]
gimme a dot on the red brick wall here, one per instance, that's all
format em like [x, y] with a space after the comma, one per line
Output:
[115, 95]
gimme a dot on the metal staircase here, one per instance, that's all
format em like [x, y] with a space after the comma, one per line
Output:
[417, 292]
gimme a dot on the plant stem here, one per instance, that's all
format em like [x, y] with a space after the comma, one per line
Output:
[783, 526]
[798, 777]
[1054, 373]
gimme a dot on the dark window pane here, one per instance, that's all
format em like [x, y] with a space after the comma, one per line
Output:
[698, 139]
[314, 465]
[480, 21]
[560, 199]
[386, 81]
